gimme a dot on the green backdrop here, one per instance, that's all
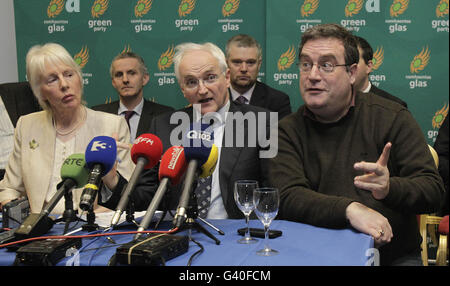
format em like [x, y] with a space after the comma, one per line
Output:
[409, 38]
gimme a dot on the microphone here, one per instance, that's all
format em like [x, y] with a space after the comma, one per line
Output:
[171, 169]
[201, 154]
[145, 153]
[100, 156]
[73, 174]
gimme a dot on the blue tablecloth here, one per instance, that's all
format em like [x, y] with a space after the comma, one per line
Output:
[300, 244]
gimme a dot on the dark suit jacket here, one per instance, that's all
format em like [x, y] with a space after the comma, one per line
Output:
[18, 99]
[387, 95]
[149, 111]
[235, 163]
[271, 99]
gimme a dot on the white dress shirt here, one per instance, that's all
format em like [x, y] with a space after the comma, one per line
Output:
[134, 120]
[6, 135]
[247, 94]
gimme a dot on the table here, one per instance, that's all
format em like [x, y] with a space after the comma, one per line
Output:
[300, 245]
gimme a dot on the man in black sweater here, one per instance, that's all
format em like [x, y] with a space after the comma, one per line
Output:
[350, 160]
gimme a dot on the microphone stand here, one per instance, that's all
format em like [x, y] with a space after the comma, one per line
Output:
[69, 214]
[191, 222]
[90, 225]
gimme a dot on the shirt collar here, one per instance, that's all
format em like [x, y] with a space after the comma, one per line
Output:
[219, 116]
[247, 94]
[137, 109]
[368, 88]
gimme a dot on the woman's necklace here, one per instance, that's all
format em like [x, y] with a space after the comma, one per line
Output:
[64, 133]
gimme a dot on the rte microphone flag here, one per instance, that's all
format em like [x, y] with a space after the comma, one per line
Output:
[100, 156]
[171, 169]
[198, 149]
[73, 175]
[145, 153]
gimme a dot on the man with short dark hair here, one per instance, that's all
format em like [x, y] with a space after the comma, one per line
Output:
[350, 160]
[244, 58]
[129, 75]
[365, 65]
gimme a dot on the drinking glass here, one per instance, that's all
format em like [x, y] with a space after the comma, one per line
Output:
[243, 195]
[267, 201]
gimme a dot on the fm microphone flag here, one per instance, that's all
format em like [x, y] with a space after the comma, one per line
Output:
[101, 150]
[145, 153]
[100, 157]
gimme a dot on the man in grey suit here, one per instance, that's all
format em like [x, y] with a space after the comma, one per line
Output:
[244, 58]
[129, 75]
[362, 82]
[204, 79]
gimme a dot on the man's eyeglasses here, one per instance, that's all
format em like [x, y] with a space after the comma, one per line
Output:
[194, 83]
[325, 67]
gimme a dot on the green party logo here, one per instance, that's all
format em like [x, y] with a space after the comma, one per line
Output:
[377, 58]
[82, 57]
[54, 8]
[420, 61]
[142, 7]
[398, 7]
[286, 59]
[353, 7]
[230, 7]
[186, 7]
[309, 7]
[166, 59]
[439, 117]
[442, 8]
[99, 8]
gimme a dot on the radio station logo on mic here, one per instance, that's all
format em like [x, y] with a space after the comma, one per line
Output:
[176, 152]
[143, 139]
[97, 145]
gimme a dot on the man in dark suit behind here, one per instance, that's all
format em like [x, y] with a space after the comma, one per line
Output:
[244, 58]
[204, 78]
[365, 65]
[129, 75]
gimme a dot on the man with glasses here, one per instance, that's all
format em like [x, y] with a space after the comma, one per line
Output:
[204, 79]
[349, 160]
[244, 59]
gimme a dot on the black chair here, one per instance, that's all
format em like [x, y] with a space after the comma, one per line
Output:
[19, 100]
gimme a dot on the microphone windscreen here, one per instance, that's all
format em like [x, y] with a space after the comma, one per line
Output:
[208, 167]
[74, 167]
[198, 142]
[101, 150]
[173, 164]
[148, 146]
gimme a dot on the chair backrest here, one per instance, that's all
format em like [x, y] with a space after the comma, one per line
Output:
[435, 155]
[18, 99]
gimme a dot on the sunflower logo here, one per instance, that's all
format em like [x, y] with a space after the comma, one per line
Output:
[186, 7]
[442, 8]
[126, 49]
[82, 57]
[142, 7]
[165, 60]
[353, 7]
[398, 7]
[309, 7]
[230, 7]
[286, 59]
[377, 58]
[54, 8]
[99, 7]
[420, 61]
[439, 117]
